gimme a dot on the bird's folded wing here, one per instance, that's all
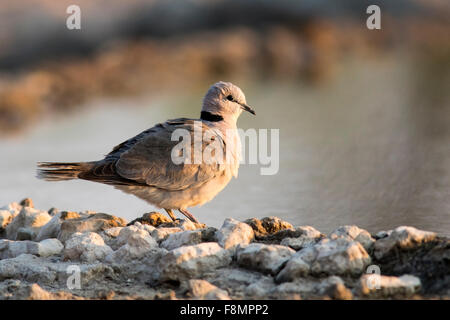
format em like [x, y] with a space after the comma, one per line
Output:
[149, 160]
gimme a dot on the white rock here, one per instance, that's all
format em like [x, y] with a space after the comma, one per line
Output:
[49, 247]
[262, 257]
[189, 262]
[88, 247]
[11, 249]
[28, 218]
[188, 225]
[374, 285]
[134, 236]
[113, 232]
[331, 257]
[159, 234]
[354, 233]
[184, 238]
[403, 238]
[127, 253]
[133, 242]
[203, 290]
[145, 227]
[233, 233]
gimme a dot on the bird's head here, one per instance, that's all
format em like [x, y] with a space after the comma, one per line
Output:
[224, 101]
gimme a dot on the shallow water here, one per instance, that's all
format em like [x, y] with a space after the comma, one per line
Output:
[364, 149]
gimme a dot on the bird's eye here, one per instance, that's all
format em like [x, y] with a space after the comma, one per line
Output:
[230, 97]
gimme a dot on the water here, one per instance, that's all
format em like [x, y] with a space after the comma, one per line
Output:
[365, 149]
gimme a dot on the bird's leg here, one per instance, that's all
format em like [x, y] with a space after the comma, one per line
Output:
[171, 214]
[188, 214]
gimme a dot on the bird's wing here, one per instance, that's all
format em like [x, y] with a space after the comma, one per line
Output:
[148, 160]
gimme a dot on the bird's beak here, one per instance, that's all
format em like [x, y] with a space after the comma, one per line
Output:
[247, 108]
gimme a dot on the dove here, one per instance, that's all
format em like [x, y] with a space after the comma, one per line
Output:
[144, 165]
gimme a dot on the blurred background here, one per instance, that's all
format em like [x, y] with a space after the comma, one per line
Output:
[364, 115]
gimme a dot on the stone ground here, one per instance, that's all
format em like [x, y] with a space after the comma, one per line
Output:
[87, 255]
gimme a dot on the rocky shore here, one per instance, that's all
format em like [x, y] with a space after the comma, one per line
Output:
[87, 255]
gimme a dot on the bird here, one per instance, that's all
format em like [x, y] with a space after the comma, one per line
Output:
[143, 165]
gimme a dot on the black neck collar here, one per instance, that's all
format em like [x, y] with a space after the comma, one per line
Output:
[208, 116]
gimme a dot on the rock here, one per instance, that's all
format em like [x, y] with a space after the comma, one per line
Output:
[337, 290]
[354, 233]
[91, 223]
[26, 267]
[233, 233]
[11, 249]
[5, 218]
[49, 247]
[112, 232]
[183, 224]
[190, 262]
[53, 211]
[161, 234]
[382, 234]
[44, 248]
[203, 290]
[268, 225]
[88, 247]
[133, 242]
[402, 238]
[379, 286]
[28, 218]
[135, 236]
[189, 225]
[14, 208]
[128, 253]
[209, 234]
[264, 258]
[52, 228]
[231, 276]
[25, 234]
[331, 257]
[332, 286]
[33, 269]
[184, 238]
[304, 236]
[152, 218]
[27, 202]
[145, 227]
[261, 288]
[35, 292]
[137, 263]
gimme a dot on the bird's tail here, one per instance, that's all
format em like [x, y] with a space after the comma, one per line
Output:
[59, 171]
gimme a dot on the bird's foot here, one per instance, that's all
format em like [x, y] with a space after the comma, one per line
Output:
[188, 215]
[171, 214]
